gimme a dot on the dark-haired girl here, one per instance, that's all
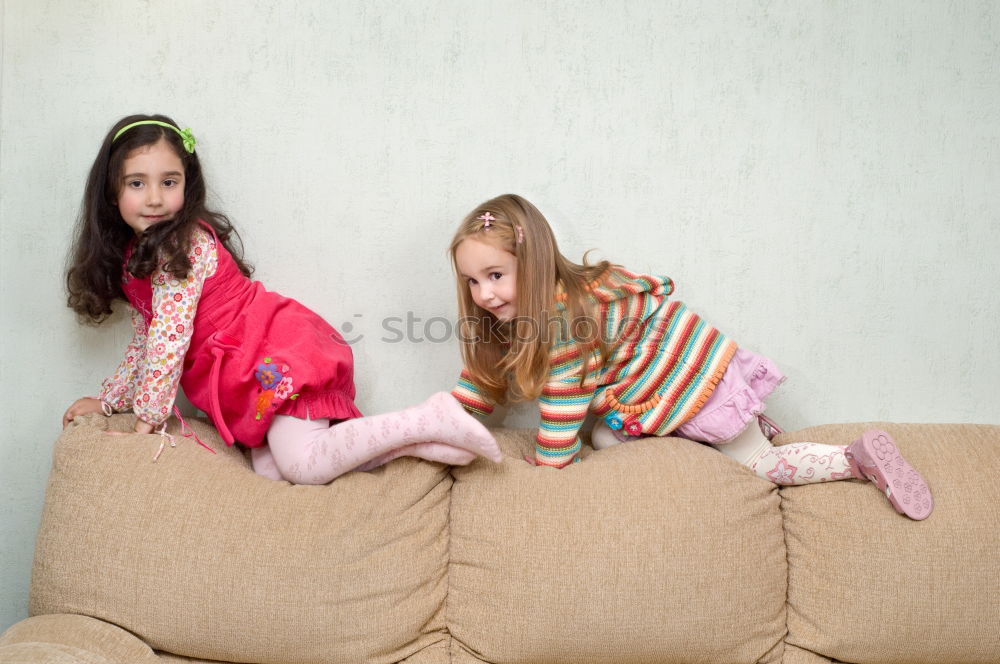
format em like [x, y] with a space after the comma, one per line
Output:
[272, 375]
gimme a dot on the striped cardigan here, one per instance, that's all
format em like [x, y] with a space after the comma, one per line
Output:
[664, 363]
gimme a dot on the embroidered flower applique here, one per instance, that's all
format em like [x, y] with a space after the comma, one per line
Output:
[284, 388]
[276, 386]
[268, 374]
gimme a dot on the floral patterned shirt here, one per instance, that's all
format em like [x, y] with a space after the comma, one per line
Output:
[147, 378]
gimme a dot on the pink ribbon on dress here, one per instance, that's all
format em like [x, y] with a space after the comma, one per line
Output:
[187, 432]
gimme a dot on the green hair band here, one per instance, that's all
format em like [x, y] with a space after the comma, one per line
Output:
[186, 136]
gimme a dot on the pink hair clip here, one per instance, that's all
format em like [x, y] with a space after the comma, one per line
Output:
[486, 219]
[520, 235]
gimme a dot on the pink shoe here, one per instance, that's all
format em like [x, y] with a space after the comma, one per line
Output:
[876, 457]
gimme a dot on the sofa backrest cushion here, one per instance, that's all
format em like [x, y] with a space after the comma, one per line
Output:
[648, 551]
[198, 556]
[869, 585]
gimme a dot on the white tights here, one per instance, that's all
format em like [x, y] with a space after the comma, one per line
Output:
[794, 464]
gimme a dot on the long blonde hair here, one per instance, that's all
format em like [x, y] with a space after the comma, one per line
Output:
[515, 363]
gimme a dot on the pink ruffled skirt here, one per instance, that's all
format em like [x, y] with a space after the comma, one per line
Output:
[737, 400]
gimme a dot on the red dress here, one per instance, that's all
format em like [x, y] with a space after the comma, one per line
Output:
[254, 354]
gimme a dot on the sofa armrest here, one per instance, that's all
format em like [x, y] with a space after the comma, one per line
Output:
[71, 639]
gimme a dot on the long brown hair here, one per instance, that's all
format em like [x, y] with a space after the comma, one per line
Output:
[515, 363]
[94, 271]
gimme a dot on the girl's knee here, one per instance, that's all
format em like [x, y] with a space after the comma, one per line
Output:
[602, 437]
[264, 464]
[291, 442]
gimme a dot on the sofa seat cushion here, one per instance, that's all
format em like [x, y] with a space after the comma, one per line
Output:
[869, 585]
[198, 556]
[648, 551]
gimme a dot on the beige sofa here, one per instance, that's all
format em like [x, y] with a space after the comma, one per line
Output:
[654, 551]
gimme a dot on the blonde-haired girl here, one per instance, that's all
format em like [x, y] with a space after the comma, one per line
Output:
[536, 325]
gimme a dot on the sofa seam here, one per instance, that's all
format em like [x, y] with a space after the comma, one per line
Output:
[447, 566]
[788, 569]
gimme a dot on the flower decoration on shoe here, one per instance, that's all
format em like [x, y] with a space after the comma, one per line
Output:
[876, 457]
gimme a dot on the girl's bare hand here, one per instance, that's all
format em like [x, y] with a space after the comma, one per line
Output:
[82, 406]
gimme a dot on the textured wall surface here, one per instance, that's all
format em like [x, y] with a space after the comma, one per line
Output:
[818, 178]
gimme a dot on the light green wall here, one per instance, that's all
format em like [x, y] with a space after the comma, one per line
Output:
[818, 177]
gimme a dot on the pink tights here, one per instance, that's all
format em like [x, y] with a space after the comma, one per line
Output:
[314, 452]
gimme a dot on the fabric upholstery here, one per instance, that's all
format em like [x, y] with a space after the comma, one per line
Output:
[198, 556]
[658, 550]
[869, 585]
[796, 655]
[71, 639]
[633, 554]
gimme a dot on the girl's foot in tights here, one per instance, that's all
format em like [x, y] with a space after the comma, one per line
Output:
[312, 452]
[439, 452]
